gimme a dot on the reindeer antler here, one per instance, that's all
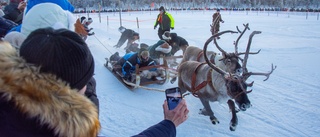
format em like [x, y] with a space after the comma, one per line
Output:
[247, 74]
[213, 37]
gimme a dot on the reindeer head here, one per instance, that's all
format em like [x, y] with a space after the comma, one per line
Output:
[235, 81]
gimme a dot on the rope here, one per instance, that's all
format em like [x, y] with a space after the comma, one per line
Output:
[103, 44]
[143, 87]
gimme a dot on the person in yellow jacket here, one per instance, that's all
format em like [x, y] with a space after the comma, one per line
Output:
[165, 21]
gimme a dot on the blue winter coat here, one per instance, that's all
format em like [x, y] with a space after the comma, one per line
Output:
[64, 4]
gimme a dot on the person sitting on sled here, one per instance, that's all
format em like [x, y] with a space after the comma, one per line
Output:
[128, 62]
[161, 48]
[131, 36]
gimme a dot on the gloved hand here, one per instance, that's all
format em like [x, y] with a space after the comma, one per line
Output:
[90, 28]
[91, 33]
[172, 28]
[222, 21]
[155, 27]
[127, 77]
[116, 46]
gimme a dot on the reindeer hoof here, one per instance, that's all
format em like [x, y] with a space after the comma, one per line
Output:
[233, 126]
[214, 120]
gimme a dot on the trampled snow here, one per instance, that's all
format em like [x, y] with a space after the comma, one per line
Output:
[286, 105]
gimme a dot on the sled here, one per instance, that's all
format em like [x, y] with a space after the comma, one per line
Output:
[138, 80]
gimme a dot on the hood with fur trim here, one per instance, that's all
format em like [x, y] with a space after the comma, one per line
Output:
[45, 97]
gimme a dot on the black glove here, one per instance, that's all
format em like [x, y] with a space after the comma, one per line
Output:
[90, 28]
[127, 77]
[91, 33]
[155, 27]
[222, 21]
[172, 28]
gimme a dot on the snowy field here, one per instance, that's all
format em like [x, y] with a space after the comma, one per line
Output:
[286, 105]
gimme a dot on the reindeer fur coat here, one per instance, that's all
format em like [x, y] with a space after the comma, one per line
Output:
[37, 104]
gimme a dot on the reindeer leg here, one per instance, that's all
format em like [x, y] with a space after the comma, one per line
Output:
[207, 111]
[234, 120]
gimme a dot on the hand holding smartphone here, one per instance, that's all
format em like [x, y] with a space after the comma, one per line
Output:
[173, 96]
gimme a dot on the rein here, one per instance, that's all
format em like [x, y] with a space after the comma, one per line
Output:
[195, 89]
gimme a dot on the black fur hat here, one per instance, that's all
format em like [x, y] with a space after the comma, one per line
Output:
[161, 8]
[60, 52]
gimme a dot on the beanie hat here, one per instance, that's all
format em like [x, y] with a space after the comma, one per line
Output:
[15, 1]
[60, 52]
[143, 46]
[121, 29]
[218, 9]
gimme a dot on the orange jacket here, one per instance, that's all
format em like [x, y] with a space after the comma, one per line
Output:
[79, 28]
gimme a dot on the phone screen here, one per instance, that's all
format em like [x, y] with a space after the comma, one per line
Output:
[174, 97]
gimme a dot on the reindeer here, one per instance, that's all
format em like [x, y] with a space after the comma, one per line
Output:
[215, 82]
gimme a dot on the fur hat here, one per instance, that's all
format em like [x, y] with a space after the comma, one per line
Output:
[83, 20]
[161, 8]
[90, 20]
[60, 52]
[166, 35]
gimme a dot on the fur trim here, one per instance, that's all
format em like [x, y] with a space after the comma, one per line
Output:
[50, 100]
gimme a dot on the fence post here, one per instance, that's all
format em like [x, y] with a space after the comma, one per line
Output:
[318, 16]
[108, 21]
[306, 15]
[137, 22]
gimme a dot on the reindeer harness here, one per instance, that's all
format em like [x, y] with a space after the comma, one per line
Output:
[194, 88]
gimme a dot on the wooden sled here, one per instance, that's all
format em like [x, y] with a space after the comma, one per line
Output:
[139, 81]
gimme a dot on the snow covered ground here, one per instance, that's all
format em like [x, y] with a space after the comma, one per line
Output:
[286, 105]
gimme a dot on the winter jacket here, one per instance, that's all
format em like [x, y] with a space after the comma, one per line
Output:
[126, 35]
[176, 42]
[34, 104]
[156, 54]
[163, 129]
[47, 15]
[5, 26]
[129, 61]
[165, 20]
[12, 12]
[64, 4]
[80, 29]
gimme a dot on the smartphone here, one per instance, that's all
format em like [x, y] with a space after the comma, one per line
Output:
[173, 96]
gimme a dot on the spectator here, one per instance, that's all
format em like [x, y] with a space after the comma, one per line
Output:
[131, 36]
[1, 11]
[41, 90]
[79, 28]
[175, 41]
[86, 26]
[47, 15]
[216, 19]
[14, 11]
[64, 4]
[5, 26]
[165, 21]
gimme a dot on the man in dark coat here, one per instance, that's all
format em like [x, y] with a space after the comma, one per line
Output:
[216, 19]
[14, 11]
[175, 41]
[165, 22]
[131, 36]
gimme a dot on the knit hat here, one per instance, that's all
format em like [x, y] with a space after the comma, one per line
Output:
[144, 46]
[60, 52]
[121, 29]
